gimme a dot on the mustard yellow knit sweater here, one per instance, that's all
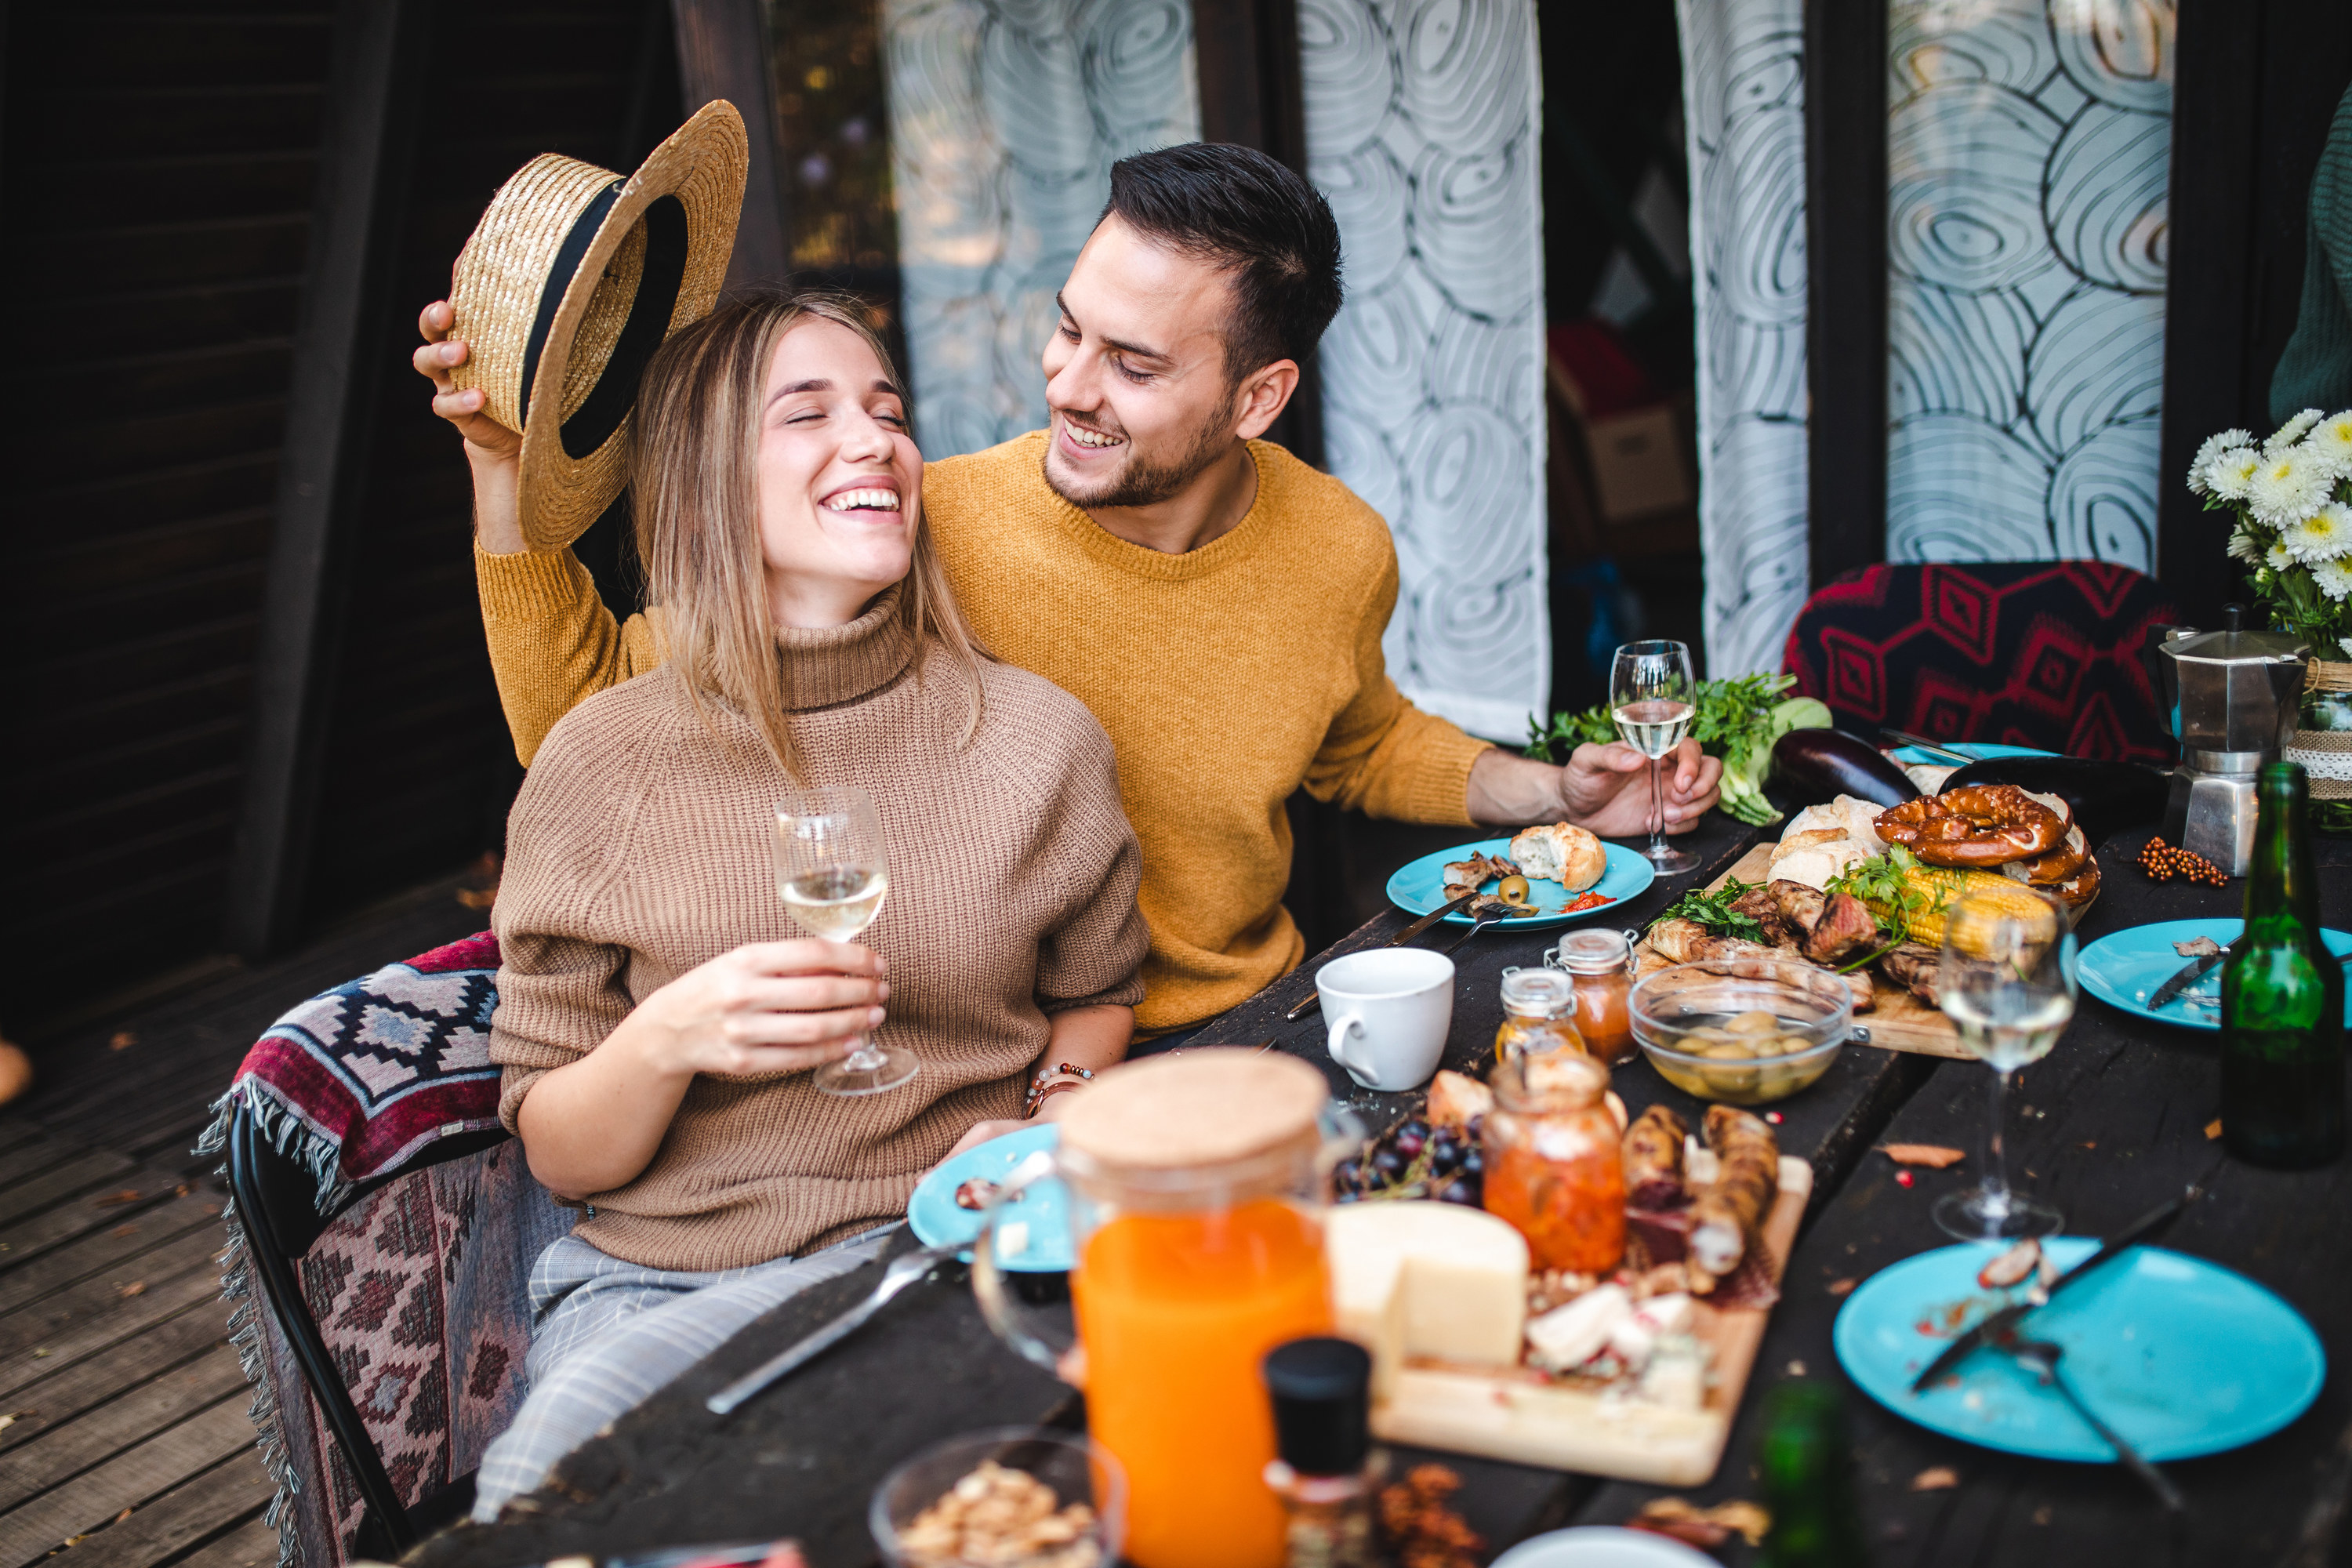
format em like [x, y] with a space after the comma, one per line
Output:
[1226, 677]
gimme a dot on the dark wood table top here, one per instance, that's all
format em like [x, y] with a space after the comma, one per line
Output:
[2116, 1122]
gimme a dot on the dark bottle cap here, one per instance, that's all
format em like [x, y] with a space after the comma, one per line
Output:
[1322, 1404]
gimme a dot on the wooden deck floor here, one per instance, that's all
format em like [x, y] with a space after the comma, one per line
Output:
[123, 1436]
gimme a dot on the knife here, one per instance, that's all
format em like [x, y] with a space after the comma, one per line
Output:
[2148, 1226]
[1315, 999]
[2187, 975]
[1905, 737]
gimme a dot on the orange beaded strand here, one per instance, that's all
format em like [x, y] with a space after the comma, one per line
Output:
[2162, 863]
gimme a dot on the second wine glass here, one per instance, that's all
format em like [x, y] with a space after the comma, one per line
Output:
[2006, 983]
[1653, 696]
[833, 873]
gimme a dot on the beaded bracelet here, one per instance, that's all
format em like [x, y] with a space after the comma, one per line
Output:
[1050, 1080]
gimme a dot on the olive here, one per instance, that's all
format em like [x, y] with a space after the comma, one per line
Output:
[1730, 1051]
[1755, 1021]
[1512, 890]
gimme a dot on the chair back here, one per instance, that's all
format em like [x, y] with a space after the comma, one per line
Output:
[2045, 654]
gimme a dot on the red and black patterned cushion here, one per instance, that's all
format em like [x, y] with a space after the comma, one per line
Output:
[2028, 653]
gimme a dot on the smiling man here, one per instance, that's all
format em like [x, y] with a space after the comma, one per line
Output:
[1215, 601]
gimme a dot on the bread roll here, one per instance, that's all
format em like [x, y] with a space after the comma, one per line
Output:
[1558, 853]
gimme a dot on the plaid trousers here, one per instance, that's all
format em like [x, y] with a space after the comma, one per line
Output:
[609, 1334]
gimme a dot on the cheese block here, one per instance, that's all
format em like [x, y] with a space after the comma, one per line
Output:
[1416, 1278]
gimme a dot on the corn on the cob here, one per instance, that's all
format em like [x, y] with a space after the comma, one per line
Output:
[1941, 888]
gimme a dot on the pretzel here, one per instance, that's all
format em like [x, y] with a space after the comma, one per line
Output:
[2061, 863]
[1982, 826]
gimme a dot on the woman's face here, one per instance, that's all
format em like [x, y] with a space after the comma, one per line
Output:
[840, 481]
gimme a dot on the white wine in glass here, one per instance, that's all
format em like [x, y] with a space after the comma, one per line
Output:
[2006, 981]
[1652, 695]
[833, 873]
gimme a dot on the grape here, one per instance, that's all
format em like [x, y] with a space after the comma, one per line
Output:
[1474, 1163]
[1458, 1191]
[1476, 1129]
[1445, 1150]
[1410, 1144]
[1390, 1163]
[1414, 1128]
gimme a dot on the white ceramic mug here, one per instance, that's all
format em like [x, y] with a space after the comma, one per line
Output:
[1389, 1011]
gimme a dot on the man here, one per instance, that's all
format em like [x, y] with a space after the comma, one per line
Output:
[1216, 603]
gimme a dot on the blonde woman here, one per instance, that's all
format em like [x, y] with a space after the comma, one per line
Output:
[656, 1019]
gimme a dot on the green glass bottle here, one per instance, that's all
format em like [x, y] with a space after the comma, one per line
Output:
[2282, 998]
[1808, 1481]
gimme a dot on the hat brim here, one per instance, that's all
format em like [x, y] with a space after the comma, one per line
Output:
[675, 218]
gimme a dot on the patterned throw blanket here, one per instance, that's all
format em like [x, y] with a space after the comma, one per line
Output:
[420, 1287]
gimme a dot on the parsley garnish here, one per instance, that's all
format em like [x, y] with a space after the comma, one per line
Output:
[1714, 910]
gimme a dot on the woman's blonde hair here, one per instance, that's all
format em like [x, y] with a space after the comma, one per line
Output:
[694, 484]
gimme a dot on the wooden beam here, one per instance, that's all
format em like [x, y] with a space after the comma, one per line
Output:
[2216, 125]
[1845, 251]
[366, 153]
[1245, 61]
[722, 52]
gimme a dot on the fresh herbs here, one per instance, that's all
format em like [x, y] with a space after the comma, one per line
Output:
[1714, 910]
[1737, 720]
[1885, 882]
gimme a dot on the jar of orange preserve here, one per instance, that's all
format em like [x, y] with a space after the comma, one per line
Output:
[1538, 1014]
[1553, 1165]
[1599, 965]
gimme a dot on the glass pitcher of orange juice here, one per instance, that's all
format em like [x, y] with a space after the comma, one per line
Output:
[1195, 1186]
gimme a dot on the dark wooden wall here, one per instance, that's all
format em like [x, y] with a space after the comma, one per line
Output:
[157, 174]
[2257, 84]
[158, 171]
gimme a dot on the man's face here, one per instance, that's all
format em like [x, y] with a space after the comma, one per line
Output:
[1135, 372]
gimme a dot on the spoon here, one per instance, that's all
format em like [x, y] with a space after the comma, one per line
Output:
[2041, 1358]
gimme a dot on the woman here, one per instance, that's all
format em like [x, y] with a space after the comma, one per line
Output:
[656, 1018]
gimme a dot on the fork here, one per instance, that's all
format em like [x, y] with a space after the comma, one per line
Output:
[904, 1270]
[2041, 1358]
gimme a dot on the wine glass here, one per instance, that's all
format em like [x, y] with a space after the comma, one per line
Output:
[2006, 983]
[832, 873]
[1652, 695]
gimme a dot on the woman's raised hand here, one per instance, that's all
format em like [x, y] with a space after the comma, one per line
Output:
[768, 1006]
[492, 450]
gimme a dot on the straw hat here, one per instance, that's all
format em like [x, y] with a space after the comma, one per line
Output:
[572, 279]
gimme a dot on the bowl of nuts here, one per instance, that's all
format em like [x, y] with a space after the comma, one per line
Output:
[1011, 1497]
[1742, 1031]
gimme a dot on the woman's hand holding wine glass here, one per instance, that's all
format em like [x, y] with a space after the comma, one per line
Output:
[833, 873]
[765, 1007]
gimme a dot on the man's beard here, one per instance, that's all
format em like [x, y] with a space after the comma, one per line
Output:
[1142, 482]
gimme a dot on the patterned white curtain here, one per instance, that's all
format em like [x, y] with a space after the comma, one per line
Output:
[1005, 117]
[1744, 104]
[2028, 149]
[1422, 129]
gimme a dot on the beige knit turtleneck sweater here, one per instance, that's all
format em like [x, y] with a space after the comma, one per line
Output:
[639, 847]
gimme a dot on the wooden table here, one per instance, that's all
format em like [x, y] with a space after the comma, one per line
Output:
[2116, 1123]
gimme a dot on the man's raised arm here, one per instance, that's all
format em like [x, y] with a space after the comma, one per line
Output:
[552, 642]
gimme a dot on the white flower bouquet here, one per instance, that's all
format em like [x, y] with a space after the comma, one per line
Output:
[2291, 497]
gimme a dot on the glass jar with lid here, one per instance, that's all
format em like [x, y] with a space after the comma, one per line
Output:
[1555, 1168]
[1599, 965]
[1538, 1014]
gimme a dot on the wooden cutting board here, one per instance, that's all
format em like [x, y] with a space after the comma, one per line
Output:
[1521, 1417]
[1898, 1021]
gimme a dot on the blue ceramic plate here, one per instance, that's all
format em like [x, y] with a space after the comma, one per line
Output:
[1419, 885]
[933, 1216]
[2125, 968]
[1912, 756]
[2181, 1356]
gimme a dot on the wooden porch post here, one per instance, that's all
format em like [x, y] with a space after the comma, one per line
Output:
[1846, 251]
[722, 52]
[366, 153]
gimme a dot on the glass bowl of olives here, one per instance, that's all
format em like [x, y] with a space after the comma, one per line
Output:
[1743, 1031]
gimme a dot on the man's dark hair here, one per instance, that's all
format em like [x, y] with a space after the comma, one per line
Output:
[1256, 219]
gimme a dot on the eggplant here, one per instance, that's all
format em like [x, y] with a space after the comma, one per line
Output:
[2106, 797]
[1821, 764]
